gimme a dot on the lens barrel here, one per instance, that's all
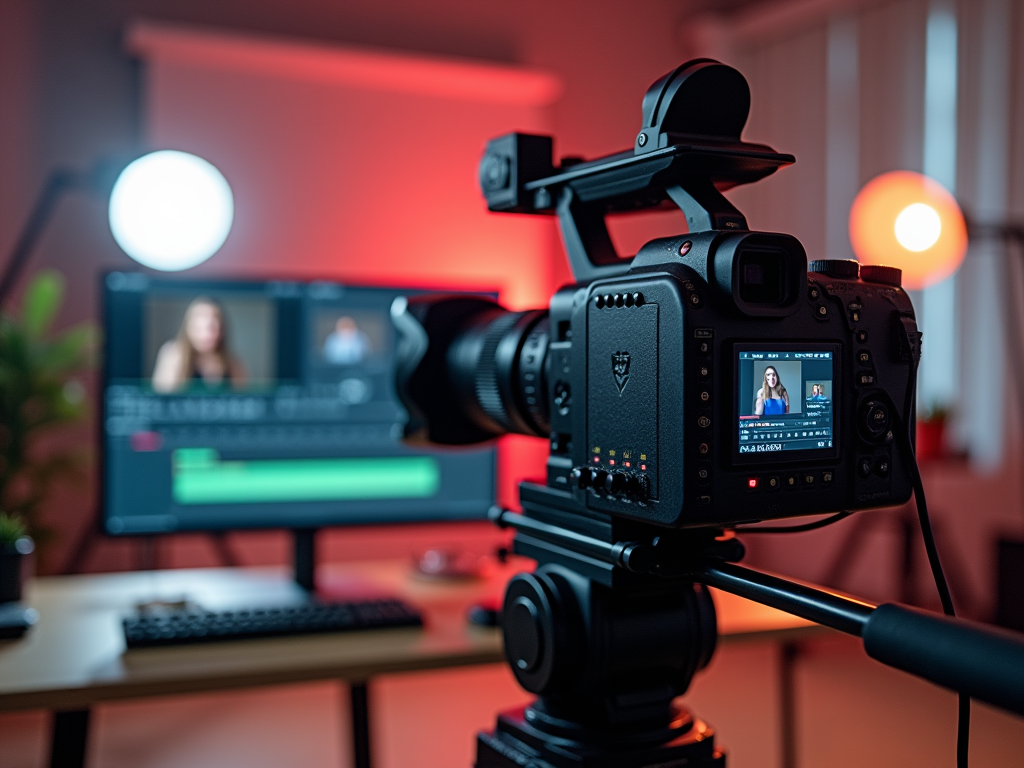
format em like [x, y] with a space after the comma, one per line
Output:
[497, 366]
[469, 370]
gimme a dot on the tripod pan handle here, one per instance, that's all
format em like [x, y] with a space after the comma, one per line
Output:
[985, 663]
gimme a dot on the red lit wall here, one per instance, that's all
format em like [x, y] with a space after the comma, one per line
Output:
[356, 166]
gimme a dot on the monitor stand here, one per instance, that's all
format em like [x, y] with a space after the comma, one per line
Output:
[334, 587]
[305, 558]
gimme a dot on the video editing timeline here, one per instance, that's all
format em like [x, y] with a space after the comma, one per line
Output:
[785, 401]
[264, 404]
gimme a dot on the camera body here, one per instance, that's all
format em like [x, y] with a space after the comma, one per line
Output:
[657, 376]
[711, 380]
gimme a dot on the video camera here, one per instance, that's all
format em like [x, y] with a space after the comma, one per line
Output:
[713, 380]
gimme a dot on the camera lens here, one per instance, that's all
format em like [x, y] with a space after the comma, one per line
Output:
[470, 370]
[497, 367]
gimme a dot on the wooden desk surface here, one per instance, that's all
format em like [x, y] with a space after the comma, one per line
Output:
[75, 655]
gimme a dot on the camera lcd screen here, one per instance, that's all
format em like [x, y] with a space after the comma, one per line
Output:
[785, 402]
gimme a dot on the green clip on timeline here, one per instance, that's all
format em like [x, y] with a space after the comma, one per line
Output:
[200, 477]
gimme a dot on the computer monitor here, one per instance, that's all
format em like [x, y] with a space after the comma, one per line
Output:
[232, 404]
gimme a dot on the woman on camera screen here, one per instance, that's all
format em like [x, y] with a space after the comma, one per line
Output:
[772, 398]
[199, 354]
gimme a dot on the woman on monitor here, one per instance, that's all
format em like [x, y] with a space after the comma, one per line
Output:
[772, 398]
[198, 355]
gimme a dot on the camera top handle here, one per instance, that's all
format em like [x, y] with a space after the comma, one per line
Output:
[687, 153]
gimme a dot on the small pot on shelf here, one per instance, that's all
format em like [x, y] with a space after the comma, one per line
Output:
[930, 442]
[15, 548]
[14, 566]
[931, 439]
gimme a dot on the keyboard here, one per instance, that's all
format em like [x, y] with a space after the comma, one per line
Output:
[181, 627]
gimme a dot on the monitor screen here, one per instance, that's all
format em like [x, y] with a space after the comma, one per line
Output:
[784, 399]
[264, 405]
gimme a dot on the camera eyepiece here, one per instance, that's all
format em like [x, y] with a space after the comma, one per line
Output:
[762, 272]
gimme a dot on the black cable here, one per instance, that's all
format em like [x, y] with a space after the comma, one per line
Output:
[1014, 340]
[963, 731]
[796, 528]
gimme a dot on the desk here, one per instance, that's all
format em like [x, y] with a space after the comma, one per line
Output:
[75, 656]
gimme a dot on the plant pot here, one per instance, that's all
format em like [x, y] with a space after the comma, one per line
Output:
[931, 439]
[14, 568]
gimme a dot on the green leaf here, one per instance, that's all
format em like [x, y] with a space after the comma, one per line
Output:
[41, 301]
[70, 351]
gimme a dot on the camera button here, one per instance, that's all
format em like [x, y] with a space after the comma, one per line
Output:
[704, 422]
[705, 499]
[615, 483]
[864, 467]
[821, 312]
[864, 356]
[882, 468]
[753, 484]
[865, 379]
[862, 337]
[704, 449]
[704, 371]
[790, 481]
[826, 477]
[874, 420]
[695, 300]
[704, 348]
[703, 474]
[773, 483]
[813, 293]
[808, 479]
[705, 396]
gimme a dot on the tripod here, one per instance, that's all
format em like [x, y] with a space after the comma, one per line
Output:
[615, 621]
[606, 649]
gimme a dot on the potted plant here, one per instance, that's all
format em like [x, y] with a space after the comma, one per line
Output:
[15, 547]
[39, 393]
[931, 433]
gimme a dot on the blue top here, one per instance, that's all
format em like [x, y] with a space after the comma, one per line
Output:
[774, 406]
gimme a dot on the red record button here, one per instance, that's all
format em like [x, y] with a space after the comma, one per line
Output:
[753, 483]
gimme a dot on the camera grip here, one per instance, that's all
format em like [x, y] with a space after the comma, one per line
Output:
[982, 662]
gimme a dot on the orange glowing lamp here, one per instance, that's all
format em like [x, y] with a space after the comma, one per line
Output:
[909, 221]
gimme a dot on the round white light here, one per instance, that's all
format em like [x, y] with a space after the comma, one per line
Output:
[918, 227]
[171, 210]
